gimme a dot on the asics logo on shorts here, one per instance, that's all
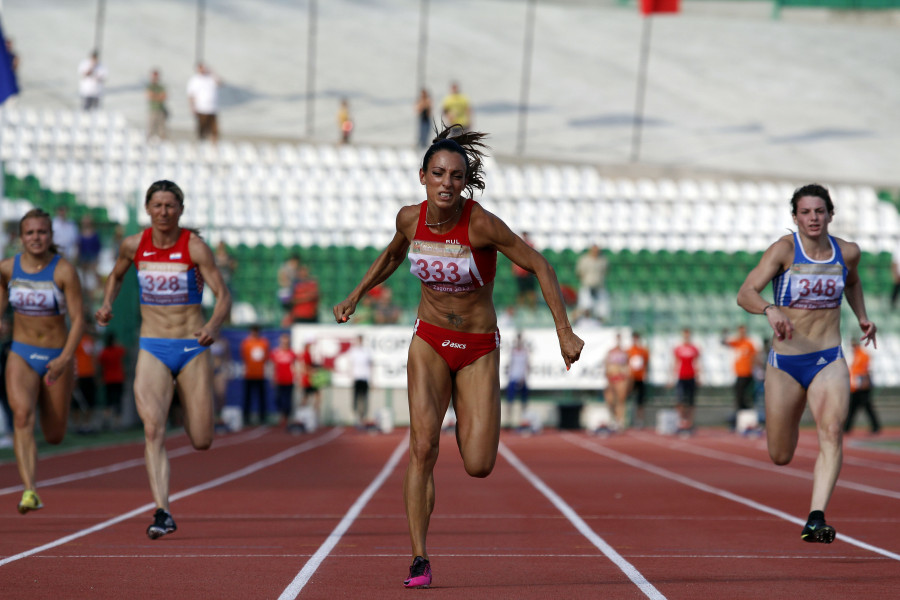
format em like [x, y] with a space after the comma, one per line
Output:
[449, 344]
[36, 356]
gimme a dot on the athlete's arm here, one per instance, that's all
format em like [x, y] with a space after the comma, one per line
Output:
[66, 278]
[854, 293]
[749, 298]
[113, 284]
[486, 229]
[386, 263]
[212, 277]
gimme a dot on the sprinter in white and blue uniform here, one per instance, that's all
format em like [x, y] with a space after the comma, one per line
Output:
[810, 272]
[43, 290]
[173, 264]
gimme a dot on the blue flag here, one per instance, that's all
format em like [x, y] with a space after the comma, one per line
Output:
[8, 85]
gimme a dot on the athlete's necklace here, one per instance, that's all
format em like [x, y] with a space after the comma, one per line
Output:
[439, 223]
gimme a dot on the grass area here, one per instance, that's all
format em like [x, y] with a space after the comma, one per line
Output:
[76, 441]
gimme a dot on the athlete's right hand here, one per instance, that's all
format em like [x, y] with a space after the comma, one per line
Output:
[780, 324]
[343, 310]
[103, 316]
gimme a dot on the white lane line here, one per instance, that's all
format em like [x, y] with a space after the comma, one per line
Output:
[135, 462]
[405, 555]
[849, 446]
[302, 578]
[248, 470]
[767, 466]
[640, 464]
[626, 567]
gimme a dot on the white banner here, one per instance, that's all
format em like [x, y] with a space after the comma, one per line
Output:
[390, 346]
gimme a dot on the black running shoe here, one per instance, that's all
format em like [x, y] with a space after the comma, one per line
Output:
[818, 531]
[419, 574]
[163, 523]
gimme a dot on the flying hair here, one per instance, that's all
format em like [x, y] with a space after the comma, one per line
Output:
[467, 144]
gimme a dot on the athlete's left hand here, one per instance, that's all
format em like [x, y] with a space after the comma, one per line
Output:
[55, 369]
[206, 336]
[570, 345]
[869, 329]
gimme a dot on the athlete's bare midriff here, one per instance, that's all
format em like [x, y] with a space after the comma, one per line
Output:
[43, 332]
[472, 311]
[178, 322]
[814, 330]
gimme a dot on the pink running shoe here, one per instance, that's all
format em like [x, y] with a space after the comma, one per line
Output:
[419, 574]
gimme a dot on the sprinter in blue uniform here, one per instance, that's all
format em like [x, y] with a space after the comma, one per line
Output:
[43, 289]
[810, 272]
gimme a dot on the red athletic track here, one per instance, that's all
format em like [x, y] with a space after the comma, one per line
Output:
[685, 518]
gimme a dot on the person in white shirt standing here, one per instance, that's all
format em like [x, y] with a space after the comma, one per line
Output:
[518, 380]
[93, 76]
[203, 94]
[361, 368]
[65, 234]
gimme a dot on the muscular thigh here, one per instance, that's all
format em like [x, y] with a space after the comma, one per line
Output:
[56, 399]
[829, 394]
[153, 388]
[22, 385]
[194, 385]
[477, 402]
[785, 401]
[430, 385]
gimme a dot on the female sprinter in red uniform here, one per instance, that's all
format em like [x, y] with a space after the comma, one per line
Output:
[42, 287]
[451, 243]
[172, 265]
[810, 271]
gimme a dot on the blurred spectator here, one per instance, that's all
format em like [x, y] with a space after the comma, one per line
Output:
[254, 353]
[456, 108]
[361, 370]
[506, 320]
[157, 113]
[526, 281]
[287, 277]
[93, 76]
[13, 57]
[285, 361]
[309, 380]
[112, 367]
[345, 123]
[65, 234]
[861, 388]
[365, 311]
[221, 377]
[760, 362]
[638, 363]
[618, 377]
[423, 115]
[89, 246]
[590, 268]
[85, 394]
[518, 380]
[203, 95]
[226, 263]
[687, 375]
[305, 298]
[745, 353]
[385, 311]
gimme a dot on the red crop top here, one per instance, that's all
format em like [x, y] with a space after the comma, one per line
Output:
[447, 262]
